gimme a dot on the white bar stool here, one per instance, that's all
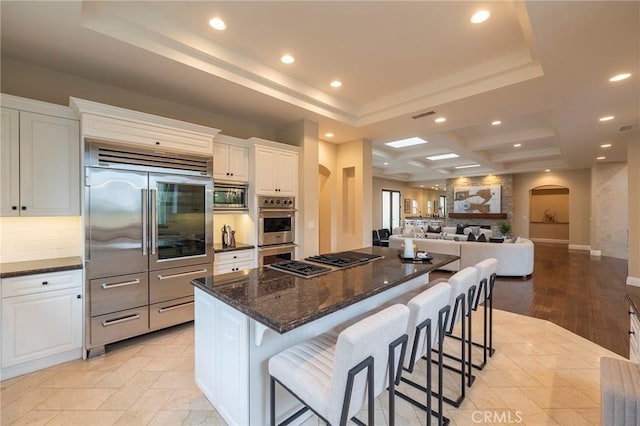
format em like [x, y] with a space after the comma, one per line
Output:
[463, 289]
[323, 373]
[487, 275]
[428, 319]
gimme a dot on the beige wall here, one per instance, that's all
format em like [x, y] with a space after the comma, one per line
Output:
[33, 238]
[328, 197]
[633, 164]
[579, 184]
[609, 213]
[305, 135]
[33, 82]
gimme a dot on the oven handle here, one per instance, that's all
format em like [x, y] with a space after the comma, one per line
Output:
[277, 247]
[263, 210]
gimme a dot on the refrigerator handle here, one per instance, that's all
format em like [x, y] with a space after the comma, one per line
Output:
[145, 219]
[154, 221]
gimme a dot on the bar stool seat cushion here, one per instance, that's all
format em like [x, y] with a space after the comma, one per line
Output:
[317, 370]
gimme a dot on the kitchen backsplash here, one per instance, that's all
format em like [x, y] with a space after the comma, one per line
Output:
[33, 238]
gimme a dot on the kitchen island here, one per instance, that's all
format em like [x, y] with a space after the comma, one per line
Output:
[244, 318]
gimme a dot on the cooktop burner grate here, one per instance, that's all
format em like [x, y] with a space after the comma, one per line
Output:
[343, 259]
[303, 269]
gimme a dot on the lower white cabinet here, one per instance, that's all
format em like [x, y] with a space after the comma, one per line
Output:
[41, 321]
[233, 261]
[634, 336]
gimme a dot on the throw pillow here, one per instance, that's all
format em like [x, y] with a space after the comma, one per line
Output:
[459, 229]
[482, 238]
[471, 237]
[434, 230]
[408, 231]
[475, 230]
[514, 239]
[496, 240]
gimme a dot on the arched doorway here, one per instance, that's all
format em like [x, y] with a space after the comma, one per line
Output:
[549, 214]
[325, 204]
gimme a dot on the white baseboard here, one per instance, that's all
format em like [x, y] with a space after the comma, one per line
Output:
[634, 281]
[579, 247]
[595, 252]
[549, 240]
[38, 364]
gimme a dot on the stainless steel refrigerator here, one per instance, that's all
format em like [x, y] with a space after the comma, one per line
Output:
[148, 233]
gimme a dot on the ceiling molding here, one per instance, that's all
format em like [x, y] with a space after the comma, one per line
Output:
[530, 154]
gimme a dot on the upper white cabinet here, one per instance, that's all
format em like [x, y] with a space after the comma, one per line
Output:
[40, 160]
[276, 171]
[109, 123]
[230, 163]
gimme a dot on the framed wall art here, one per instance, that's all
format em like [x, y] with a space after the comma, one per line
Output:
[476, 199]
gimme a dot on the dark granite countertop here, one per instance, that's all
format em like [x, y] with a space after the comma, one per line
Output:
[30, 267]
[283, 302]
[217, 248]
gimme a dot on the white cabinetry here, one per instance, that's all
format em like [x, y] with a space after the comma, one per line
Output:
[634, 336]
[230, 163]
[121, 125]
[276, 171]
[41, 321]
[40, 158]
[232, 261]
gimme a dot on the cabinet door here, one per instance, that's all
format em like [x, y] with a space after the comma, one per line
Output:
[265, 171]
[239, 163]
[49, 166]
[9, 163]
[220, 161]
[287, 169]
[40, 325]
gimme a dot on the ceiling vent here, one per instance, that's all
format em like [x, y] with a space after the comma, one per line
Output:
[628, 128]
[424, 114]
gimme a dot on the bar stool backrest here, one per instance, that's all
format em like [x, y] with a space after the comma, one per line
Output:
[460, 283]
[425, 305]
[486, 269]
[368, 337]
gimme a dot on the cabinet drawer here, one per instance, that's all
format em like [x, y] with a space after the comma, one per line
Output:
[234, 256]
[31, 284]
[174, 283]
[142, 134]
[170, 313]
[118, 293]
[120, 325]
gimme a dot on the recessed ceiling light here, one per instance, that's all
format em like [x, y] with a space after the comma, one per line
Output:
[328, 135]
[440, 120]
[217, 24]
[442, 157]
[601, 158]
[547, 170]
[386, 164]
[620, 77]
[496, 123]
[406, 142]
[421, 186]
[606, 145]
[607, 118]
[480, 16]
[336, 83]
[517, 145]
[287, 59]
[467, 166]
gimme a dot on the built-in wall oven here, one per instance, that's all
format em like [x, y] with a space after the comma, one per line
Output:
[148, 233]
[276, 229]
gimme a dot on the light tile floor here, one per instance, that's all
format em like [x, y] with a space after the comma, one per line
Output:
[541, 374]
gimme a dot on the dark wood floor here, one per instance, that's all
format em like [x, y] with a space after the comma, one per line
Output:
[574, 290]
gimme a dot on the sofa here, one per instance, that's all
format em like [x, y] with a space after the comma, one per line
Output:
[515, 259]
[446, 232]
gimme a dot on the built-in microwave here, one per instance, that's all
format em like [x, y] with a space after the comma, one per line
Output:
[228, 197]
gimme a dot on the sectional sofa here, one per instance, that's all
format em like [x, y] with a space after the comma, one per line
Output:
[514, 258]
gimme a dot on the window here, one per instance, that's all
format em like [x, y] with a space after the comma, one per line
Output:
[443, 206]
[391, 209]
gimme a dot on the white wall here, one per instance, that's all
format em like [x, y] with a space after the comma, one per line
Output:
[33, 238]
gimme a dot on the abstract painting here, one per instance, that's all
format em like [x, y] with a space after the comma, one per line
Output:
[476, 199]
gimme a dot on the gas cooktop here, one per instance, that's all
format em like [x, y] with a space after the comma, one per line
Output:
[302, 269]
[343, 259]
